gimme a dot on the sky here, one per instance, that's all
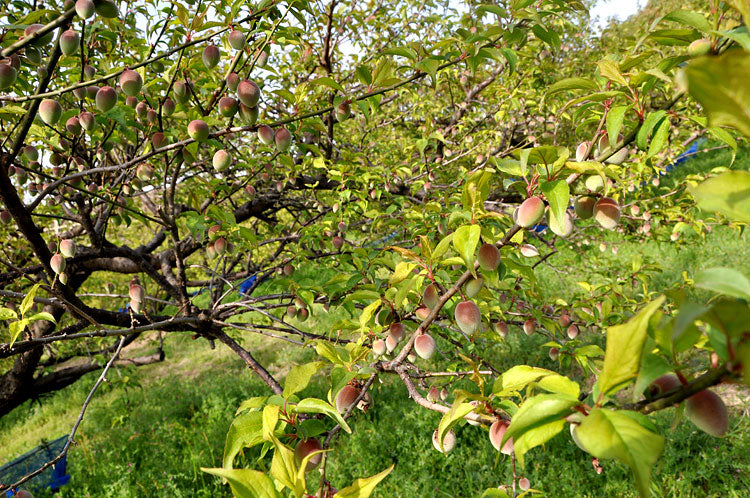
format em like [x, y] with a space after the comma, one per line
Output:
[620, 9]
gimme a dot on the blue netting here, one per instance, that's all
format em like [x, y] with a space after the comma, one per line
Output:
[53, 478]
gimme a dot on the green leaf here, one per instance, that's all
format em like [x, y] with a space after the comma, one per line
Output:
[28, 300]
[652, 119]
[615, 117]
[284, 468]
[401, 272]
[270, 419]
[401, 51]
[660, 138]
[8, 314]
[299, 376]
[743, 7]
[465, 240]
[558, 195]
[727, 193]
[535, 413]
[315, 405]
[442, 247]
[246, 431]
[689, 18]
[363, 487]
[720, 84]
[610, 70]
[329, 82]
[42, 315]
[622, 356]
[572, 84]
[458, 411]
[15, 329]
[611, 434]
[246, 483]
[517, 378]
[368, 313]
[726, 281]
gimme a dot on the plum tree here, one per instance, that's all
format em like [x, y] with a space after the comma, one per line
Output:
[530, 212]
[131, 82]
[424, 345]
[607, 213]
[198, 130]
[307, 447]
[50, 111]
[346, 397]
[211, 56]
[488, 257]
[106, 98]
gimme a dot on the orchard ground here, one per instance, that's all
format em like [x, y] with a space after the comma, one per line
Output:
[149, 430]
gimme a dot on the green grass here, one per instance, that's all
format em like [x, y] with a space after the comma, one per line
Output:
[149, 430]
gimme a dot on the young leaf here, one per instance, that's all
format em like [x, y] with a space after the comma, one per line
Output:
[465, 240]
[363, 487]
[246, 431]
[315, 405]
[246, 483]
[299, 377]
[457, 412]
[727, 193]
[726, 281]
[611, 434]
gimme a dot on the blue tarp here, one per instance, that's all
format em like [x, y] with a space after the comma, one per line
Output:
[52, 478]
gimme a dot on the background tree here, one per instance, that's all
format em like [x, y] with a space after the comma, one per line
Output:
[161, 161]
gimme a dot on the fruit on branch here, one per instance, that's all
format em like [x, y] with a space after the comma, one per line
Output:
[396, 331]
[8, 75]
[84, 8]
[488, 257]
[707, 411]
[220, 245]
[424, 345]
[573, 331]
[68, 248]
[136, 291]
[501, 328]
[131, 82]
[69, 42]
[283, 139]
[524, 484]
[584, 207]
[594, 183]
[467, 317]
[151, 116]
[236, 39]
[346, 397]
[664, 384]
[248, 92]
[249, 115]
[233, 80]
[198, 130]
[211, 56]
[73, 125]
[144, 172]
[106, 98]
[158, 140]
[343, 111]
[338, 242]
[50, 111]
[181, 92]
[262, 57]
[87, 120]
[303, 314]
[554, 354]
[30, 153]
[141, 109]
[530, 212]
[106, 8]
[265, 134]
[291, 311]
[581, 151]
[449, 441]
[422, 312]
[565, 319]
[433, 395]
[529, 326]
[497, 431]
[91, 91]
[306, 447]
[701, 46]
[390, 343]
[221, 160]
[40, 41]
[567, 226]
[475, 403]
[288, 270]
[365, 403]
[607, 213]
[378, 347]
[57, 263]
[228, 106]
[168, 107]
[529, 251]
[430, 296]
[473, 286]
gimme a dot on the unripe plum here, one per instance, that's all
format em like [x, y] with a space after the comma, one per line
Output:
[573, 331]
[501, 328]
[73, 125]
[424, 345]
[422, 312]
[106, 98]
[396, 331]
[304, 448]
[530, 212]
[168, 107]
[291, 311]
[69, 42]
[158, 140]
[581, 151]
[346, 397]
[106, 8]
[40, 41]
[343, 111]
[390, 343]
[198, 130]
[87, 120]
[57, 263]
[524, 484]
[488, 257]
[473, 286]
[283, 139]
[233, 81]
[497, 431]
[8, 76]
[228, 107]
[248, 92]
[707, 411]
[529, 326]
[529, 251]
[249, 115]
[449, 441]
[221, 160]
[131, 82]
[22, 493]
[554, 354]
[467, 317]
[181, 92]
[338, 242]
[236, 39]
[433, 395]
[68, 248]
[701, 46]
[211, 56]
[430, 296]
[84, 8]
[584, 207]
[594, 183]
[607, 213]
[378, 347]
[50, 111]
[265, 134]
